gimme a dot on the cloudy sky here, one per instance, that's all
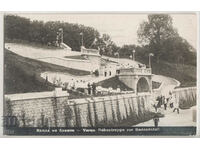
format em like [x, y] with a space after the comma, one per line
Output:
[123, 27]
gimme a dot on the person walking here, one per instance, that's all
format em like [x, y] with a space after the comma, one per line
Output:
[159, 100]
[176, 104]
[156, 120]
[155, 105]
[165, 103]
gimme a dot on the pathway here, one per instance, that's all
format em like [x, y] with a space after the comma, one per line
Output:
[184, 118]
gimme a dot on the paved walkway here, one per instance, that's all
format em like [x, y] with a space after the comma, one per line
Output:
[184, 118]
[167, 84]
[35, 53]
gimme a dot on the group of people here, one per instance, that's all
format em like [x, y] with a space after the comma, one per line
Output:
[94, 90]
[91, 89]
[171, 102]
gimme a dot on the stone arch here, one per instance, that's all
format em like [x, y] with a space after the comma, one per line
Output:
[143, 85]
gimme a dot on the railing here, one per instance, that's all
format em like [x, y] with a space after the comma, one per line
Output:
[90, 51]
[135, 71]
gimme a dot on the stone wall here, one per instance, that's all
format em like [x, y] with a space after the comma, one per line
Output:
[116, 110]
[50, 109]
[187, 97]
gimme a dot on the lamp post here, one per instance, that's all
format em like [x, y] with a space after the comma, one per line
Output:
[118, 57]
[61, 34]
[81, 34]
[133, 55]
[150, 54]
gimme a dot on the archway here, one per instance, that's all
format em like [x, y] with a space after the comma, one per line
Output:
[142, 85]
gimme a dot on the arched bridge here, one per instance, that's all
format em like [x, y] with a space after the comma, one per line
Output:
[139, 79]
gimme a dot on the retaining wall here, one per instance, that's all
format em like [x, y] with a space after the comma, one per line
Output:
[49, 110]
[187, 97]
[58, 111]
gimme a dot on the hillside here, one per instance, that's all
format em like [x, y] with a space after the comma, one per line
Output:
[22, 74]
[186, 74]
[114, 82]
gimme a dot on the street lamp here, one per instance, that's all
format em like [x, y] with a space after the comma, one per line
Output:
[150, 54]
[81, 34]
[61, 34]
[118, 57]
[133, 55]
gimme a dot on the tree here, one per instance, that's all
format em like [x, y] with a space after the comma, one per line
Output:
[126, 51]
[23, 29]
[106, 45]
[178, 50]
[16, 27]
[155, 31]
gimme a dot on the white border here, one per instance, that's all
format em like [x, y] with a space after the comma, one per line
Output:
[1, 73]
[198, 59]
[198, 74]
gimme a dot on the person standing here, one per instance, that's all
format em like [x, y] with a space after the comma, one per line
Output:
[89, 89]
[159, 100]
[46, 80]
[118, 89]
[93, 89]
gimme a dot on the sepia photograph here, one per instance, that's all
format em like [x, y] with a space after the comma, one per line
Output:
[100, 74]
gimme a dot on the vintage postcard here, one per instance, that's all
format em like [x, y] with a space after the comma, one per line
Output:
[98, 74]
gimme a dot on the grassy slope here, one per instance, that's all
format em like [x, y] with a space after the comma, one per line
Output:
[113, 82]
[23, 74]
[186, 74]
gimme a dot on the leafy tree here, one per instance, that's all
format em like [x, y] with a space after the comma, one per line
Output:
[37, 32]
[178, 50]
[126, 50]
[16, 27]
[155, 31]
[106, 45]
[21, 28]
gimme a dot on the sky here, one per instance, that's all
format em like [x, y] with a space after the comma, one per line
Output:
[122, 28]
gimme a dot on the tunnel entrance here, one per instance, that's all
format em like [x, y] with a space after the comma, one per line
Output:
[142, 85]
